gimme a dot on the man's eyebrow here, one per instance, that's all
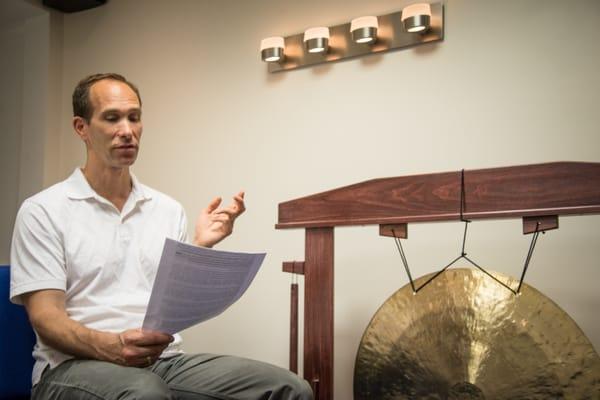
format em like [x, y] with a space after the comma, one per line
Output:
[118, 110]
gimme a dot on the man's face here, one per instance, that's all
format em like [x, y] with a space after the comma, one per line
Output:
[113, 133]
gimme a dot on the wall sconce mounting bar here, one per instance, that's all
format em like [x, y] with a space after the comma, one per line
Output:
[390, 36]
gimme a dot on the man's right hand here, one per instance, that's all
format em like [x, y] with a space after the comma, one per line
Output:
[139, 348]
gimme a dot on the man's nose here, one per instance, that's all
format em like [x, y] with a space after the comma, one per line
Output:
[125, 130]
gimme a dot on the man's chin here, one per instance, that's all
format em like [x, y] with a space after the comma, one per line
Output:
[125, 162]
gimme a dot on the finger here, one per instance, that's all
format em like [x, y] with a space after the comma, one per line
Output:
[222, 217]
[132, 351]
[130, 336]
[213, 205]
[141, 362]
[134, 355]
[135, 351]
[235, 208]
[239, 202]
[153, 351]
[145, 362]
[147, 338]
[155, 338]
[136, 362]
[230, 213]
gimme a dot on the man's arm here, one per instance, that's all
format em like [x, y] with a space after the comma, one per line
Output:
[134, 347]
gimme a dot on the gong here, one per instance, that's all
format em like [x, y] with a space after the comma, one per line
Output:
[465, 336]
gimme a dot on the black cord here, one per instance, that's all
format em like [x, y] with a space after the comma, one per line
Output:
[463, 253]
[464, 239]
[529, 254]
[403, 257]
[462, 208]
[488, 274]
[463, 204]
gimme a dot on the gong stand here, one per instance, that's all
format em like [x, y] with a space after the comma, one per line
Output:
[536, 193]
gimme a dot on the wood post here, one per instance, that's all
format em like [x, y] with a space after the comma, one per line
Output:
[318, 312]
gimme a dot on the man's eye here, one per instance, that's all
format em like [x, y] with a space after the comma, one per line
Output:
[135, 118]
[112, 118]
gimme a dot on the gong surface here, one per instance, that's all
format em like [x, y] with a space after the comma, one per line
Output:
[464, 336]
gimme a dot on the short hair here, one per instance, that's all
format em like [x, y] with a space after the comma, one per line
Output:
[82, 104]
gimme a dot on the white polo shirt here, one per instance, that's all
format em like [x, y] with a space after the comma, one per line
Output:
[69, 238]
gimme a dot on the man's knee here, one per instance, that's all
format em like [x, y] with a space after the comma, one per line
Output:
[275, 382]
[235, 377]
[286, 385]
[298, 388]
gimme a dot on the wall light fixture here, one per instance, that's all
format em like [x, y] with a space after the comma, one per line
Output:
[416, 17]
[364, 29]
[271, 49]
[316, 40]
[415, 25]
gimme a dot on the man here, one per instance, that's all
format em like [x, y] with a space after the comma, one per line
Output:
[84, 256]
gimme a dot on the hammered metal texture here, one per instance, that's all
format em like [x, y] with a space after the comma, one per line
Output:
[464, 336]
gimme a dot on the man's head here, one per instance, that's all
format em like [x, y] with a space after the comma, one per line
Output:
[107, 117]
[82, 103]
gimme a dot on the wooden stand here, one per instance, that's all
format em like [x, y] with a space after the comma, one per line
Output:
[536, 193]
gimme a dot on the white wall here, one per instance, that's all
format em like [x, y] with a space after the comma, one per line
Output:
[514, 82]
[31, 68]
[11, 81]
[40, 111]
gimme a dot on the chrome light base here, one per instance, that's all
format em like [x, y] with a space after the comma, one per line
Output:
[272, 54]
[417, 23]
[367, 34]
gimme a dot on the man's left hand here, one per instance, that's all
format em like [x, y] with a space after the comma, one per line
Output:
[215, 224]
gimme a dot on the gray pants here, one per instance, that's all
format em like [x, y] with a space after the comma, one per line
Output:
[199, 377]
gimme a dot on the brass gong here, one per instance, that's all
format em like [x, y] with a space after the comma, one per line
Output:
[465, 336]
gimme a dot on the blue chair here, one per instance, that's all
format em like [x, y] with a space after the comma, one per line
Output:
[16, 343]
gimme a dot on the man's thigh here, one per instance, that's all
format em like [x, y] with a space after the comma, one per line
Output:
[99, 380]
[210, 377]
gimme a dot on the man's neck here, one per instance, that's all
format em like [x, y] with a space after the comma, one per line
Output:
[114, 184]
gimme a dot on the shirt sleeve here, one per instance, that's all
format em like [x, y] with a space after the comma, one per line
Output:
[182, 235]
[36, 256]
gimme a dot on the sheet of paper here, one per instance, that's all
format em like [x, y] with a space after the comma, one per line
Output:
[194, 284]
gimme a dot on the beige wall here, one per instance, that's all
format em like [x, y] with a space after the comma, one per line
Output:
[40, 111]
[514, 82]
[31, 66]
[11, 81]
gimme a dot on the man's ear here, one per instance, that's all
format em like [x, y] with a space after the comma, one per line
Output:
[80, 126]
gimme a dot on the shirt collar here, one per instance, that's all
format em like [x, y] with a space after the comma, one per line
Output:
[80, 189]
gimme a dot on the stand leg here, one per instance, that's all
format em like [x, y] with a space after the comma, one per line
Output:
[294, 328]
[318, 312]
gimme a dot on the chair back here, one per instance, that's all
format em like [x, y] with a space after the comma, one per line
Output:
[16, 344]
